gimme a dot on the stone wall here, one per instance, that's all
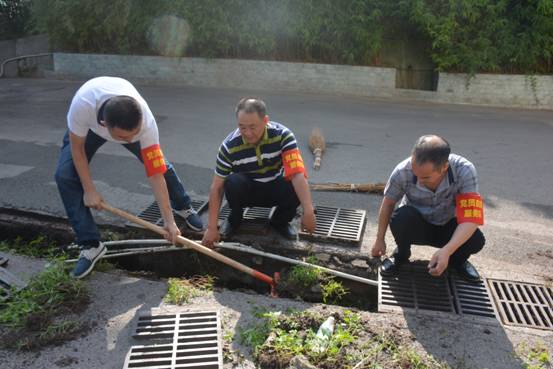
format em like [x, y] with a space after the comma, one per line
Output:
[483, 89]
[245, 74]
[497, 89]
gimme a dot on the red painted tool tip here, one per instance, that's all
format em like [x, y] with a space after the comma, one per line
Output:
[276, 279]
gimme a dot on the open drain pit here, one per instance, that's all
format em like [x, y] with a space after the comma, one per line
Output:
[188, 263]
[185, 263]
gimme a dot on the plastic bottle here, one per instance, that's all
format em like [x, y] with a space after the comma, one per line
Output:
[323, 335]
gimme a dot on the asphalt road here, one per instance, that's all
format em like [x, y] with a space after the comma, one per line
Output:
[366, 138]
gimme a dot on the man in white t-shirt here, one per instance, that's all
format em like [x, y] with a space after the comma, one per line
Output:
[111, 109]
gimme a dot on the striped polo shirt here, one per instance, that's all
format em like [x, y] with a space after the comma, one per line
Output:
[261, 162]
[437, 207]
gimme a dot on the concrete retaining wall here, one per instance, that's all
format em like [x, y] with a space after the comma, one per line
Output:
[319, 78]
[497, 89]
[483, 89]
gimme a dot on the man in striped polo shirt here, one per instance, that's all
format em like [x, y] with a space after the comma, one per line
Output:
[259, 164]
[440, 206]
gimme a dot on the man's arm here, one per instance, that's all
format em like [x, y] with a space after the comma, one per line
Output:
[211, 235]
[91, 197]
[440, 259]
[385, 213]
[301, 187]
[159, 187]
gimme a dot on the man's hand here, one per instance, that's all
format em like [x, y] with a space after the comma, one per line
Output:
[379, 248]
[211, 235]
[438, 263]
[93, 199]
[171, 232]
[308, 221]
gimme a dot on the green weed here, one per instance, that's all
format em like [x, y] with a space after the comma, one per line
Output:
[28, 318]
[276, 338]
[46, 294]
[39, 247]
[333, 290]
[538, 357]
[303, 277]
[181, 291]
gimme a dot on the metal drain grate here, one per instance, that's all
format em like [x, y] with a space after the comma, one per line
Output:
[338, 224]
[153, 215]
[415, 289]
[523, 304]
[472, 298]
[182, 340]
[254, 220]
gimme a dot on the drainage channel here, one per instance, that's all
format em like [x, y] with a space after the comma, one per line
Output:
[188, 263]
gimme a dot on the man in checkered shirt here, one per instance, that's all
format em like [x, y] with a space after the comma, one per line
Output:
[439, 206]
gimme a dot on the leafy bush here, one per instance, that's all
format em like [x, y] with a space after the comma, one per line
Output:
[14, 18]
[465, 35]
[486, 35]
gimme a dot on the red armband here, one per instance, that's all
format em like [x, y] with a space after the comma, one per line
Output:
[153, 160]
[469, 208]
[292, 163]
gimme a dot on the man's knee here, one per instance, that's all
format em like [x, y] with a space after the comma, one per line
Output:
[476, 242]
[402, 219]
[234, 186]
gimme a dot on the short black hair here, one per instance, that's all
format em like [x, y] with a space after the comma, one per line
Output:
[122, 112]
[252, 105]
[431, 149]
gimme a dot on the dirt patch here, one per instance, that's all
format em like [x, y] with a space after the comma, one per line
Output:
[353, 341]
[46, 312]
[44, 329]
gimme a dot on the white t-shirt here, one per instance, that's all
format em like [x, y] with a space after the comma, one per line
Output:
[83, 112]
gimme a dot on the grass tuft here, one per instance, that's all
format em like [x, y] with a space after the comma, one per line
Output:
[31, 316]
[181, 291]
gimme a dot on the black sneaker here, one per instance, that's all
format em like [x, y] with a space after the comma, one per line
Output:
[286, 230]
[390, 266]
[468, 272]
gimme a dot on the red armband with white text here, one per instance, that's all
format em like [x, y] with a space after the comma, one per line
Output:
[469, 208]
[153, 160]
[292, 163]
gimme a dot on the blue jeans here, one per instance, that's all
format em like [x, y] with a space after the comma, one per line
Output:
[71, 190]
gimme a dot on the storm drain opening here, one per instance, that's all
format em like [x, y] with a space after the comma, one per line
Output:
[338, 224]
[181, 340]
[413, 288]
[523, 304]
[152, 213]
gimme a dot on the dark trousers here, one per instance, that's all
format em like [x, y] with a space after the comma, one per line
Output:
[242, 191]
[409, 228]
[71, 189]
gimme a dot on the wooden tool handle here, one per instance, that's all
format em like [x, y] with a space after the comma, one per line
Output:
[192, 244]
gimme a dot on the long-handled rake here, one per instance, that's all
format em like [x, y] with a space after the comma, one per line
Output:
[196, 246]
